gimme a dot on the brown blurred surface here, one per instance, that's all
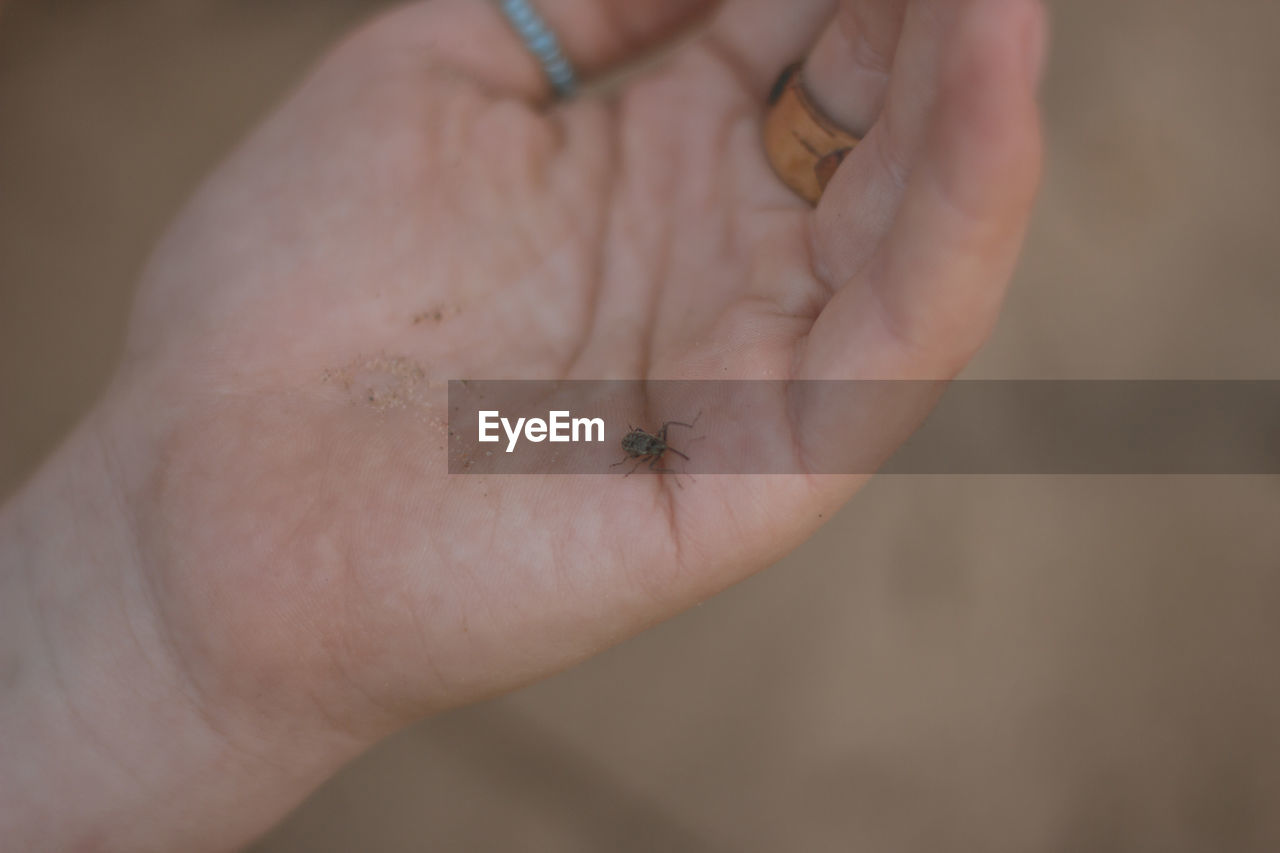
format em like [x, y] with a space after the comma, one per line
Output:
[989, 664]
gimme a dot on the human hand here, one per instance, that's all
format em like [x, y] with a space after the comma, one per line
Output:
[419, 212]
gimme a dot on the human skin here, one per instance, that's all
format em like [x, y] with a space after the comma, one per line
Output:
[248, 564]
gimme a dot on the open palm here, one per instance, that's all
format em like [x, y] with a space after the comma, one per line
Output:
[421, 212]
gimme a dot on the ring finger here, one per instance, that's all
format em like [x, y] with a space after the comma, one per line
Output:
[876, 71]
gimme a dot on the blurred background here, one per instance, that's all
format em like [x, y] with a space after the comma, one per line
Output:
[970, 664]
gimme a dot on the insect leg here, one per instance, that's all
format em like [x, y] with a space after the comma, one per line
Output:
[662, 433]
[653, 466]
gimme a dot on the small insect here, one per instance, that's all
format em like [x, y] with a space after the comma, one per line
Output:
[650, 447]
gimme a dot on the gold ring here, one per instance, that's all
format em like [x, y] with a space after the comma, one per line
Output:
[804, 146]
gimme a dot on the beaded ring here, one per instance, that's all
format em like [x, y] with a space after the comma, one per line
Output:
[543, 44]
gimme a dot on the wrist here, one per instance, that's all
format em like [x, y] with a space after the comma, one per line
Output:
[105, 738]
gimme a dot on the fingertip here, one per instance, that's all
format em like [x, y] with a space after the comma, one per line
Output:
[987, 142]
[1036, 40]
